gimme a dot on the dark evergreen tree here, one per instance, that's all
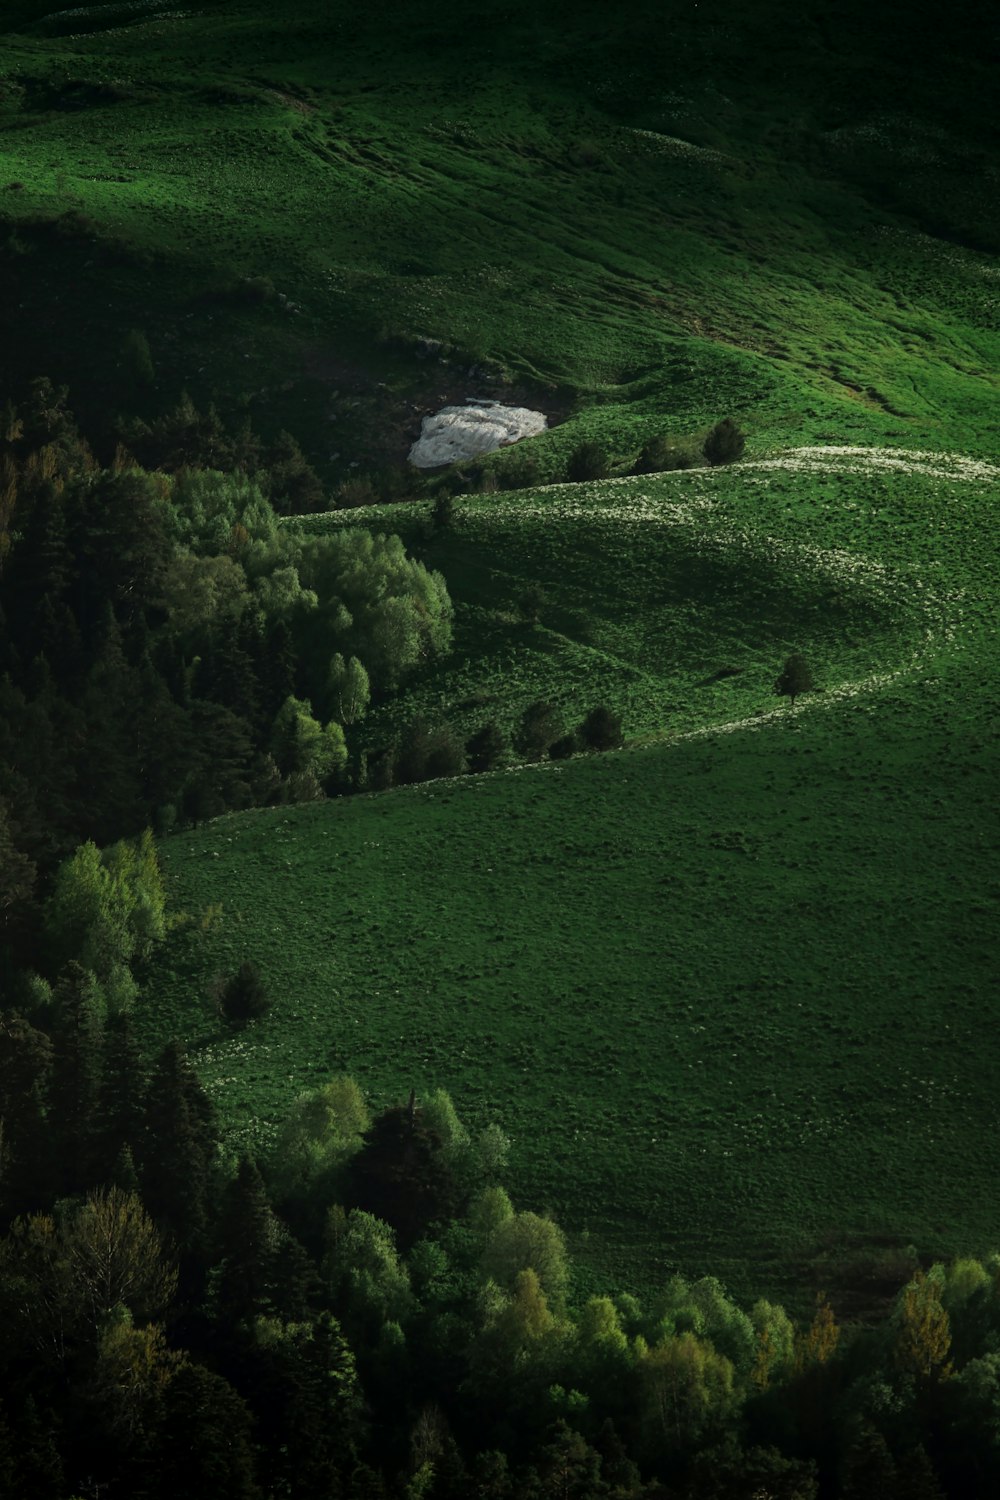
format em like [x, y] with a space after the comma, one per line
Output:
[291, 483]
[401, 1174]
[539, 728]
[121, 1095]
[244, 997]
[25, 1157]
[725, 443]
[486, 749]
[248, 1243]
[76, 1058]
[277, 678]
[180, 1143]
[602, 729]
[204, 1444]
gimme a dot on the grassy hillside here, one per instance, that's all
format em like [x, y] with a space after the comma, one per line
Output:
[725, 989]
[690, 216]
[728, 989]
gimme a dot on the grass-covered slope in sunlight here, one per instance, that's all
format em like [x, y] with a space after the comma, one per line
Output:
[734, 214]
[724, 988]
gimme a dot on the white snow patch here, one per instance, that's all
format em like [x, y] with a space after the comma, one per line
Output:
[457, 432]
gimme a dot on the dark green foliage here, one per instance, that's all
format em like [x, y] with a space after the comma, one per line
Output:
[795, 678]
[248, 1243]
[487, 747]
[120, 1096]
[291, 483]
[244, 997]
[602, 729]
[531, 602]
[659, 454]
[443, 512]
[137, 360]
[564, 747]
[76, 1060]
[204, 1439]
[724, 444]
[425, 753]
[401, 1174]
[540, 727]
[25, 1147]
[588, 461]
[519, 472]
[178, 1156]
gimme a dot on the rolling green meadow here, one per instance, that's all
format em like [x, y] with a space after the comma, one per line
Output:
[730, 990]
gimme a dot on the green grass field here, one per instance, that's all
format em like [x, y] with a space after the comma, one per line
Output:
[730, 990]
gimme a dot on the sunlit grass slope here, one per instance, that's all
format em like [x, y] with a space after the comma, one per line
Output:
[726, 988]
[669, 216]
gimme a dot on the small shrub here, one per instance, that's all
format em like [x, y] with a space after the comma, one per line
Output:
[531, 603]
[443, 512]
[562, 748]
[244, 998]
[795, 678]
[659, 455]
[485, 750]
[602, 729]
[588, 461]
[539, 728]
[519, 473]
[724, 444]
[353, 493]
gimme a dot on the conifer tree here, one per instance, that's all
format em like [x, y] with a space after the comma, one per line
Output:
[180, 1141]
[248, 1241]
[121, 1095]
[75, 1073]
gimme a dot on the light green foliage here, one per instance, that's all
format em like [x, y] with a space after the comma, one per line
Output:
[323, 1130]
[349, 689]
[488, 1210]
[207, 506]
[528, 1241]
[106, 910]
[702, 1307]
[301, 745]
[361, 1259]
[963, 1279]
[775, 1333]
[687, 1391]
[280, 592]
[401, 613]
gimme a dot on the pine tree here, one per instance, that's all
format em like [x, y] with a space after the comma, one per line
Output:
[75, 1072]
[248, 1241]
[121, 1095]
[180, 1142]
[400, 1174]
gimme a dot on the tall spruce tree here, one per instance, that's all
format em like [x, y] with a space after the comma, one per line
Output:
[179, 1149]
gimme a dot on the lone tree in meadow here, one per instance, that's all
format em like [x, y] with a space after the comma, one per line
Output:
[724, 444]
[795, 678]
[244, 997]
